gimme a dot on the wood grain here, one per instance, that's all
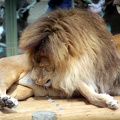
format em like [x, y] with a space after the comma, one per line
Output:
[65, 109]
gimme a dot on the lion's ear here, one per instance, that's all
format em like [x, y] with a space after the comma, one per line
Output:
[50, 68]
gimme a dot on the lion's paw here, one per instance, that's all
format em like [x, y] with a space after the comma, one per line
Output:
[8, 101]
[105, 100]
[112, 103]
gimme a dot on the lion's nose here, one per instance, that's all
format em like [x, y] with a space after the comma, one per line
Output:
[38, 82]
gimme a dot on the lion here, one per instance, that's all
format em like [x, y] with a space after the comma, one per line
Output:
[67, 53]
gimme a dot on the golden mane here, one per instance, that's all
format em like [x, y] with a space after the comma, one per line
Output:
[79, 45]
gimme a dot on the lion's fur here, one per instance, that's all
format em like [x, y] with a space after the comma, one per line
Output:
[68, 47]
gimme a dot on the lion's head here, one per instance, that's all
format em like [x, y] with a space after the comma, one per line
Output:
[67, 47]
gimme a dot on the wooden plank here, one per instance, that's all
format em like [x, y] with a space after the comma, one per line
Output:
[65, 109]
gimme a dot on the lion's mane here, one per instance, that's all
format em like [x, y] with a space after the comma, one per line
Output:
[80, 46]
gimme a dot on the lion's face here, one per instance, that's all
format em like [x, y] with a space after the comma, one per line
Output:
[42, 72]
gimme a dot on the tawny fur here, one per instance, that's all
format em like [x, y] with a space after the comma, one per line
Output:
[78, 45]
[75, 50]
[117, 43]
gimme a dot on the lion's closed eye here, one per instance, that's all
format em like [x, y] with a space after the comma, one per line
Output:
[49, 69]
[46, 64]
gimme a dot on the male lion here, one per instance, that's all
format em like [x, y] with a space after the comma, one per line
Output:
[69, 52]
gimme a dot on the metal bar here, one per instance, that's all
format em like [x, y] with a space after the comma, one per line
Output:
[11, 28]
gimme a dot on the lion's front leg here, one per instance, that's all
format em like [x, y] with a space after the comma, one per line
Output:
[12, 68]
[6, 100]
[102, 100]
[20, 92]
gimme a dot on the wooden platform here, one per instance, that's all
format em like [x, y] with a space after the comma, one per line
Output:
[65, 109]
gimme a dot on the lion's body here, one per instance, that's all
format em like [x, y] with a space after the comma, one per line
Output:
[80, 47]
[72, 51]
